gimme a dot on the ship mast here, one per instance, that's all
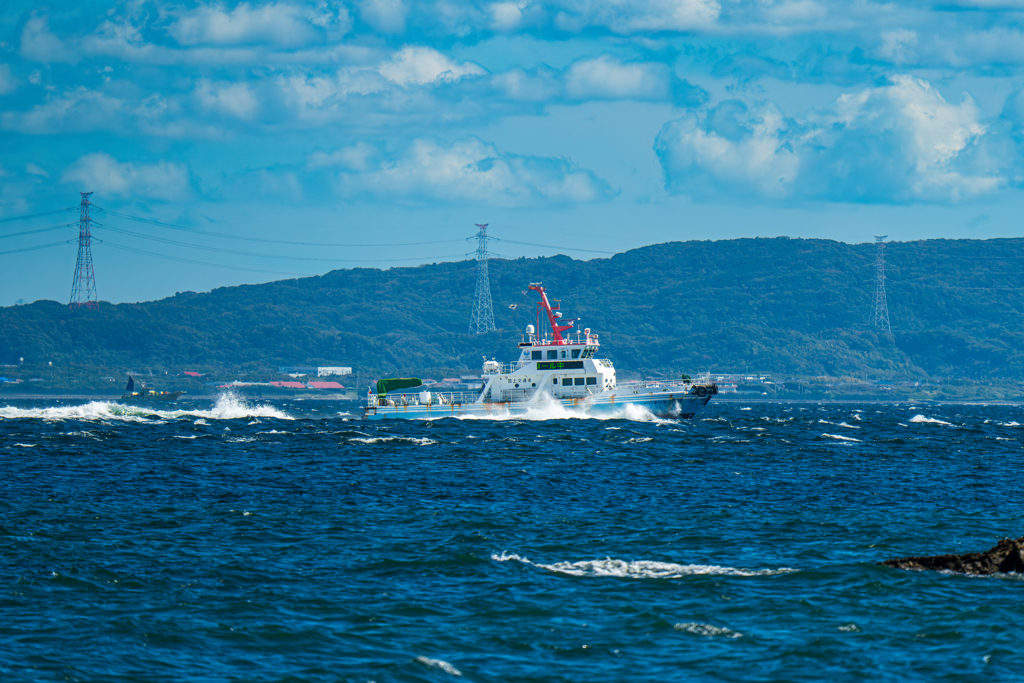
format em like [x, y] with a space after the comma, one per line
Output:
[543, 303]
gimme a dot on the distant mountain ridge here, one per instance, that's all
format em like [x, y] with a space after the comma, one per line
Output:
[786, 306]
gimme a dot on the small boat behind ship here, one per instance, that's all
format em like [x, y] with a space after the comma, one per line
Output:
[140, 396]
[552, 368]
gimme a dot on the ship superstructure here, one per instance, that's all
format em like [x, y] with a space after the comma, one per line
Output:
[558, 367]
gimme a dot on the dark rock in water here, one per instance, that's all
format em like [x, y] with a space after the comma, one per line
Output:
[1007, 556]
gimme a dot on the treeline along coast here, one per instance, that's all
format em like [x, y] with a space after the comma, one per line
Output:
[788, 306]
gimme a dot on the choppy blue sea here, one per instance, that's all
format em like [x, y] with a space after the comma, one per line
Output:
[286, 541]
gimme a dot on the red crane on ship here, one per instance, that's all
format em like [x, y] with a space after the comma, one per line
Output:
[552, 318]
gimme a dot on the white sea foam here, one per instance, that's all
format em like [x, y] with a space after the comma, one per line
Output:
[639, 569]
[744, 408]
[388, 439]
[707, 630]
[27, 445]
[549, 409]
[228, 407]
[837, 437]
[930, 420]
[848, 426]
[641, 439]
[439, 664]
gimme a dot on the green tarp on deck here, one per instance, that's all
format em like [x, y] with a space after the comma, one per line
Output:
[387, 385]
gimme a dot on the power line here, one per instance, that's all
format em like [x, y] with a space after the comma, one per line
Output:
[224, 235]
[237, 252]
[269, 241]
[201, 263]
[39, 246]
[552, 246]
[33, 232]
[34, 215]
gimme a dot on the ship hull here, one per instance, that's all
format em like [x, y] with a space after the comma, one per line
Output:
[150, 398]
[659, 404]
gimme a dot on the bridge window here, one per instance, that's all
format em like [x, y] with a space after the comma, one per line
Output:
[588, 352]
[563, 353]
[553, 355]
[575, 353]
[554, 381]
[591, 380]
[537, 355]
[579, 381]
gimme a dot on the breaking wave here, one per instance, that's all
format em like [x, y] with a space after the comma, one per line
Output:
[228, 407]
[639, 569]
[707, 630]
[838, 437]
[930, 420]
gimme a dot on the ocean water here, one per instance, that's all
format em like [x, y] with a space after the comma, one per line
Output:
[286, 541]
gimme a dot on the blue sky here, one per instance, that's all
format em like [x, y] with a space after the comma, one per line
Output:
[599, 126]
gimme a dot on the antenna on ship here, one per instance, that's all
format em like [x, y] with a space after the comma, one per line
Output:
[83, 288]
[483, 309]
[880, 317]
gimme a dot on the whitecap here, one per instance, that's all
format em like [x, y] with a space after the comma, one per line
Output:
[439, 664]
[838, 437]
[930, 420]
[707, 630]
[386, 439]
[548, 408]
[848, 426]
[27, 445]
[744, 408]
[638, 569]
[640, 439]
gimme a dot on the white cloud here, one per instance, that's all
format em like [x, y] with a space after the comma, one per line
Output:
[387, 16]
[467, 171]
[281, 24]
[901, 142]
[72, 111]
[35, 169]
[232, 99]
[609, 78]
[39, 44]
[361, 156]
[105, 175]
[7, 81]
[414, 65]
[637, 16]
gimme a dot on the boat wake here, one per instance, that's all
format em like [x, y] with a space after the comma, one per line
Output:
[639, 569]
[551, 409]
[228, 407]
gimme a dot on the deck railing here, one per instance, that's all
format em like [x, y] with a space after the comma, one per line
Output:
[436, 398]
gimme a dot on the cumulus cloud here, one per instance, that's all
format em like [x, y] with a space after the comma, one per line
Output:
[102, 173]
[75, 110]
[467, 171]
[232, 99]
[901, 142]
[40, 44]
[282, 24]
[636, 16]
[414, 65]
[387, 16]
[609, 78]
[7, 82]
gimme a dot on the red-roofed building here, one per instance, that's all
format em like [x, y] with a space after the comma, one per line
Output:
[289, 385]
[324, 385]
[190, 373]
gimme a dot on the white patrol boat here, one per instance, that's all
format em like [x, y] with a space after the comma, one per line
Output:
[550, 369]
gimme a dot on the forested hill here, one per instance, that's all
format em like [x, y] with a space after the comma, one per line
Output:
[786, 306]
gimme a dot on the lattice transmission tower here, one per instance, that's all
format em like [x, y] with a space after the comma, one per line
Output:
[880, 316]
[83, 289]
[483, 308]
